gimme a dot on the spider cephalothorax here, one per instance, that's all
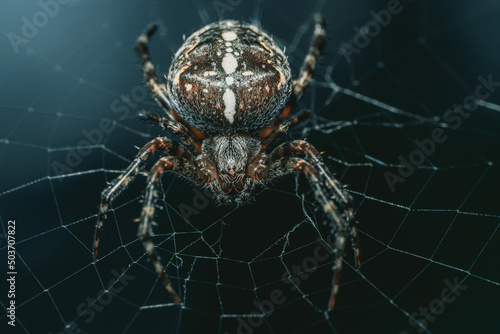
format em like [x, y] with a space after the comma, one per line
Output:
[233, 157]
[229, 94]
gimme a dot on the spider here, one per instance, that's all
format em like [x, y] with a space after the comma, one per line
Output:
[228, 96]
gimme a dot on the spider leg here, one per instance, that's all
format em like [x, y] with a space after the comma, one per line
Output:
[334, 200]
[121, 182]
[305, 74]
[159, 90]
[178, 129]
[307, 69]
[282, 128]
[331, 211]
[156, 88]
[182, 166]
[340, 195]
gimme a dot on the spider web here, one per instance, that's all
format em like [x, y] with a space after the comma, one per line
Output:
[429, 245]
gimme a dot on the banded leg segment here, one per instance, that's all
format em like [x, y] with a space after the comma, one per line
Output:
[331, 210]
[183, 167]
[156, 88]
[121, 182]
[342, 197]
[331, 196]
[178, 129]
[282, 128]
[333, 214]
[159, 90]
[307, 69]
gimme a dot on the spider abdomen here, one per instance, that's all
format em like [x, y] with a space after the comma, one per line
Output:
[229, 77]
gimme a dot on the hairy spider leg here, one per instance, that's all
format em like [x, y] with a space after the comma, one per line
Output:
[334, 200]
[181, 131]
[307, 69]
[305, 74]
[282, 128]
[339, 194]
[156, 88]
[182, 166]
[159, 90]
[121, 182]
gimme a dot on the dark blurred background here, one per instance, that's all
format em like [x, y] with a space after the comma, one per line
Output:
[380, 85]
